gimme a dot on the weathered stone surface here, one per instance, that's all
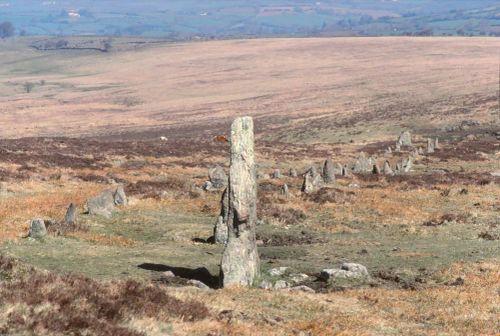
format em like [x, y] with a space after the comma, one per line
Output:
[430, 146]
[284, 190]
[120, 197]
[405, 139]
[207, 186]
[240, 263]
[302, 289]
[328, 171]
[276, 174]
[217, 177]
[265, 284]
[407, 165]
[298, 278]
[312, 181]
[37, 228]
[387, 168]
[420, 151]
[278, 271]
[221, 230]
[356, 268]
[346, 171]
[347, 271]
[292, 172]
[70, 217]
[436, 143]
[281, 284]
[338, 169]
[362, 164]
[197, 284]
[102, 204]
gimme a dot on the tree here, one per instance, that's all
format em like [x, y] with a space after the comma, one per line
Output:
[6, 29]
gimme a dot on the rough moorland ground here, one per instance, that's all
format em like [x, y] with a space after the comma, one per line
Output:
[429, 238]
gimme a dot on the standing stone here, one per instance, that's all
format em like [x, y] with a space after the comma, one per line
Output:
[430, 146]
[284, 190]
[240, 263]
[345, 171]
[338, 169]
[217, 177]
[376, 169]
[407, 164]
[276, 174]
[398, 148]
[312, 181]
[221, 229]
[362, 164]
[37, 228]
[120, 196]
[436, 143]
[388, 169]
[405, 139]
[70, 217]
[328, 171]
[388, 150]
[292, 172]
[398, 169]
[420, 151]
[102, 204]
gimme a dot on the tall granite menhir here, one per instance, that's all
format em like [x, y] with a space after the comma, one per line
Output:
[240, 261]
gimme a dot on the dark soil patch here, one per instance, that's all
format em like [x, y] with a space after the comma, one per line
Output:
[302, 238]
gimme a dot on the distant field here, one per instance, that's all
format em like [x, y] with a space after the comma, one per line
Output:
[299, 90]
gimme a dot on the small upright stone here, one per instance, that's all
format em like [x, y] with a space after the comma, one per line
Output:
[240, 263]
[292, 172]
[37, 229]
[398, 148]
[362, 164]
[284, 190]
[221, 230]
[102, 204]
[387, 168]
[70, 217]
[346, 171]
[328, 171]
[312, 181]
[430, 146]
[120, 196]
[376, 169]
[405, 139]
[436, 143]
[276, 174]
[217, 177]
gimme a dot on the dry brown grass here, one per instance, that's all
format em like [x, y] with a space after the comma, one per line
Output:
[331, 82]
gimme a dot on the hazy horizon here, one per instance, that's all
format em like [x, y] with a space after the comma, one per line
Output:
[222, 18]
